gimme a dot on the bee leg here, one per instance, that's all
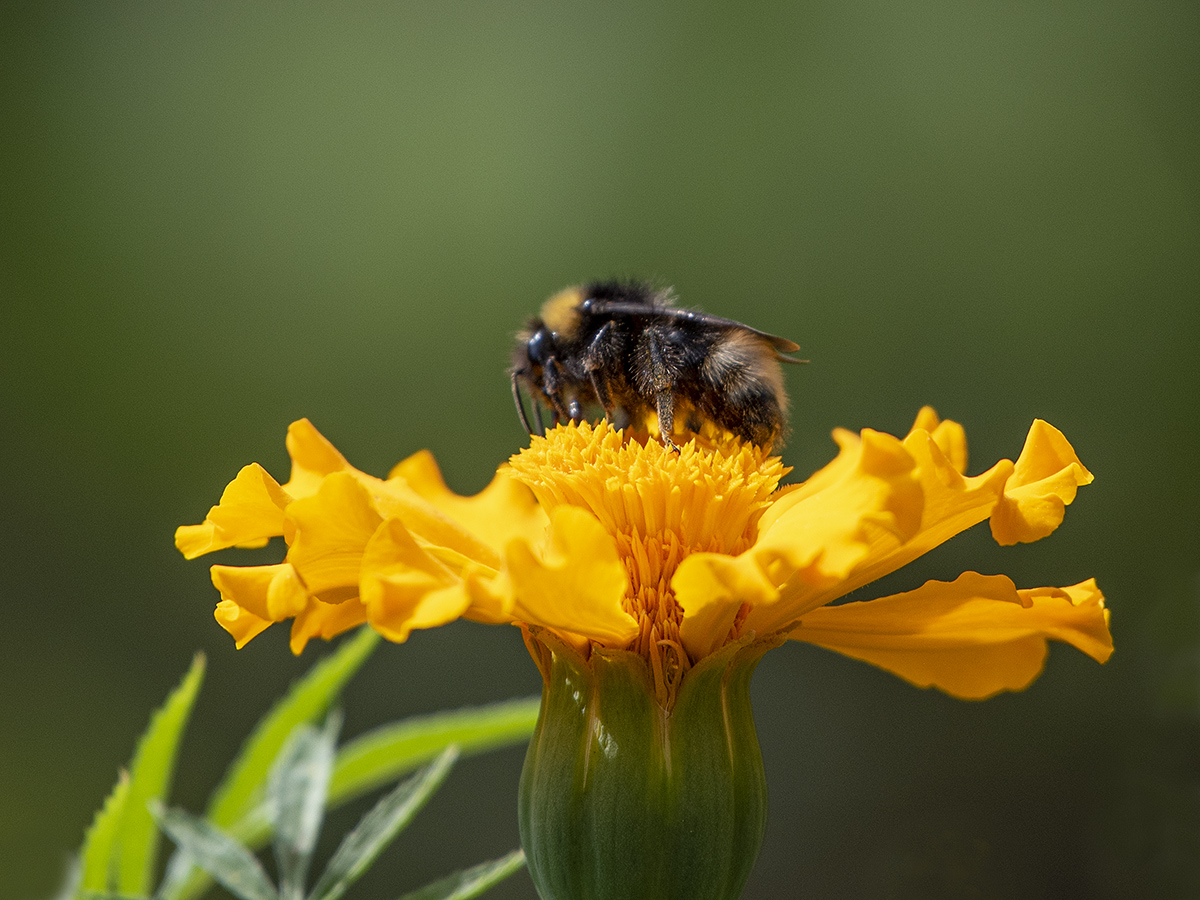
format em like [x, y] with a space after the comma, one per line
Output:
[666, 419]
[516, 392]
[602, 395]
[574, 411]
[660, 383]
[537, 416]
[552, 386]
[594, 362]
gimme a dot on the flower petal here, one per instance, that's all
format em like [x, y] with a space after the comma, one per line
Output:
[273, 593]
[491, 594]
[711, 589]
[1042, 485]
[412, 494]
[404, 601]
[1025, 500]
[949, 436]
[249, 514]
[332, 530]
[951, 503]
[867, 491]
[430, 525]
[403, 587]
[313, 457]
[576, 586]
[971, 638]
[325, 620]
[241, 624]
[866, 497]
[504, 510]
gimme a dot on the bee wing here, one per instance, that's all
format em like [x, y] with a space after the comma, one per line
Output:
[781, 345]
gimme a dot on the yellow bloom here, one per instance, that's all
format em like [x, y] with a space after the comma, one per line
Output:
[648, 583]
[609, 540]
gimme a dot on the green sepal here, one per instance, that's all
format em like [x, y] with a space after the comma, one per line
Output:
[621, 799]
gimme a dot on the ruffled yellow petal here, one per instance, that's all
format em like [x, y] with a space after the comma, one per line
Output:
[314, 460]
[241, 624]
[712, 590]
[272, 593]
[332, 529]
[1042, 485]
[249, 514]
[1046, 480]
[491, 596]
[577, 585]
[501, 512]
[313, 457]
[395, 498]
[867, 495]
[325, 620]
[950, 437]
[971, 638]
[403, 587]
[951, 503]
[404, 601]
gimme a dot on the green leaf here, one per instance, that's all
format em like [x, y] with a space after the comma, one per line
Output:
[308, 698]
[377, 758]
[109, 895]
[231, 864]
[470, 882]
[136, 845]
[97, 854]
[386, 753]
[379, 826]
[236, 805]
[296, 796]
[184, 881]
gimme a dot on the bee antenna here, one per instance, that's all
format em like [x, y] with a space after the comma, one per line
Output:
[520, 404]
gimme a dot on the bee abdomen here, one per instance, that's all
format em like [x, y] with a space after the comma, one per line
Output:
[743, 387]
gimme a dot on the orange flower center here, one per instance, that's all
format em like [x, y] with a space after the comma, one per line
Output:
[659, 505]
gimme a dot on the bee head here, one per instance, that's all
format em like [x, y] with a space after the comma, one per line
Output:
[535, 345]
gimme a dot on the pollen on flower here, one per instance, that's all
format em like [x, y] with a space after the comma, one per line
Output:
[660, 505]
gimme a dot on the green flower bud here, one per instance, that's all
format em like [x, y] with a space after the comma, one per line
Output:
[622, 799]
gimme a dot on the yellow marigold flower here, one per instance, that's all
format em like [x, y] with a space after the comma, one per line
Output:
[614, 541]
[648, 582]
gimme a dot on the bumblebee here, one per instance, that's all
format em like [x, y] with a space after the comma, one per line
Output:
[625, 348]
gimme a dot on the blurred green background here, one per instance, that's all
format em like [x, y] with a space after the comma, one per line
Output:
[217, 218]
